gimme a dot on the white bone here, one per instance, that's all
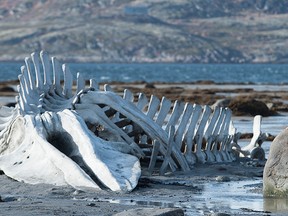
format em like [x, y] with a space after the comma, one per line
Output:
[128, 95]
[153, 106]
[46, 68]
[164, 110]
[68, 81]
[154, 154]
[189, 135]
[209, 136]
[169, 151]
[28, 67]
[142, 101]
[56, 73]
[175, 115]
[183, 124]
[200, 154]
[257, 139]
[39, 80]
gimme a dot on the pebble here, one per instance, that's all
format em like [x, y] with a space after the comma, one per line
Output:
[223, 179]
[219, 214]
[77, 192]
[91, 204]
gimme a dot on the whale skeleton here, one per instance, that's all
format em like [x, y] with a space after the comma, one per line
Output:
[92, 138]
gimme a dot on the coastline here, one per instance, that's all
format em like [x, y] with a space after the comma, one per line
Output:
[195, 193]
[202, 92]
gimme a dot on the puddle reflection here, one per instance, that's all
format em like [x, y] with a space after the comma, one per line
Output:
[230, 196]
[145, 203]
[235, 195]
[195, 207]
[275, 205]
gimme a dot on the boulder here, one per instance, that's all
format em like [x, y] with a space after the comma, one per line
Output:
[224, 102]
[149, 85]
[243, 106]
[275, 177]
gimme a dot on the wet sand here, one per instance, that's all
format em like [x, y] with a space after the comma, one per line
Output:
[228, 188]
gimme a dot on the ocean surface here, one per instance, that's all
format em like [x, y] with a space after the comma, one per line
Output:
[219, 73]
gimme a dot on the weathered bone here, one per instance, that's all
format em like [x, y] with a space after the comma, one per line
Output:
[54, 137]
[90, 138]
[190, 132]
[131, 111]
[7, 114]
[28, 153]
[253, 149]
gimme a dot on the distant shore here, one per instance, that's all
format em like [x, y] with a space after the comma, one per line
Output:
[202, 92]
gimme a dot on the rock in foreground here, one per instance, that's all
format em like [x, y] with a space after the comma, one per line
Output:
[275, 177]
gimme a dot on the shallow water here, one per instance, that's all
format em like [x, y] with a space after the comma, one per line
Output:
[214, 197]
[276, 205]
[272, 124]
[241, 197]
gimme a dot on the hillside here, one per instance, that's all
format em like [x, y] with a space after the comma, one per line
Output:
[217, 31]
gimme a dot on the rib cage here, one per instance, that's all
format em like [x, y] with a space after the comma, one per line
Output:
[177, 135]
[186, 135]
[40, 88]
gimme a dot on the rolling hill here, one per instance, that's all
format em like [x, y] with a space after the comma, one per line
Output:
[198, 31]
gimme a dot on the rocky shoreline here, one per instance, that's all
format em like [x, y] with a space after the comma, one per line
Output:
[242, 99]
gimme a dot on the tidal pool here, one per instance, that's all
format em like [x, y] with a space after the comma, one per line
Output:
[214, 197]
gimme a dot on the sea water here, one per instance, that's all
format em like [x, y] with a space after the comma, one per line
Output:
[159, 72]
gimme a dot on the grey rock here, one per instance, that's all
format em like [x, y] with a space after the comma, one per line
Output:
[258, 153]
[275, 177]
[219, 214]
[224, 102]
[223, 179]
